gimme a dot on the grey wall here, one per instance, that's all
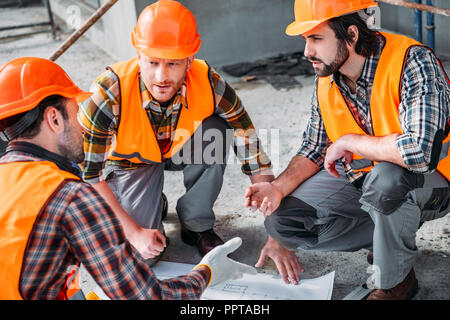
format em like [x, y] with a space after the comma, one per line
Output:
[401, 20]
[241, 30]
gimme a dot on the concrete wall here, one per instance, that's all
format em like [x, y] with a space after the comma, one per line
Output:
[401, 20]
[241, 30]
[111, 32]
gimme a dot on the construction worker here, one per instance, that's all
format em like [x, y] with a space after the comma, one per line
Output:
[373, 164]
[141, 121]
[51, 221]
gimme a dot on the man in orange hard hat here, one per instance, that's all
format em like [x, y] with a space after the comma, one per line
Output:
[51, 221]
[159, 111]
[373, 164]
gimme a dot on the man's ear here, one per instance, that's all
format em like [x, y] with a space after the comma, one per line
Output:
[353, 32]
[190, 61]
[138, 54]
[53, 119]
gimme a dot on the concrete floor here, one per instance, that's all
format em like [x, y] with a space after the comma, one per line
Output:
[288, 112]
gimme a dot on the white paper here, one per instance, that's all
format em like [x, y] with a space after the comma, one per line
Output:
[255, 287]
[250, 287]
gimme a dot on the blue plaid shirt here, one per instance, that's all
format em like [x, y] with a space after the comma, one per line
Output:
[424, 109]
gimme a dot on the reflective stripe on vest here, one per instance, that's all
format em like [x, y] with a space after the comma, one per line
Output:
[385, 99]
[135, 139]
[25, 190]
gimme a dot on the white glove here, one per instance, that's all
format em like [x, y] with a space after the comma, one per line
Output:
[223, 268]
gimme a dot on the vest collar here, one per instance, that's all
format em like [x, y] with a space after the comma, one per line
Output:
[39, 152]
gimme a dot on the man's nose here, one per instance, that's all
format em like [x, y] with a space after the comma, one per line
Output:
[308, 50]
[161, 73]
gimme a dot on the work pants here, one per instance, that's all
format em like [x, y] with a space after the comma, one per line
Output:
[332, 214]
[202, 160]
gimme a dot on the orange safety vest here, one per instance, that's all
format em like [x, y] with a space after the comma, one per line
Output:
[135, 139]
[25, 190]
[385, 99]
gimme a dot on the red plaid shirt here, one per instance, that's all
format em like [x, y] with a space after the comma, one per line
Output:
[78, 226]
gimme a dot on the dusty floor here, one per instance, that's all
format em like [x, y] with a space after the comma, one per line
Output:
[288, 112]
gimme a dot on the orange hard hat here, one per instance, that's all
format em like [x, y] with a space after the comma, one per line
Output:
[25, 82]
[166, 30]
[310, 13]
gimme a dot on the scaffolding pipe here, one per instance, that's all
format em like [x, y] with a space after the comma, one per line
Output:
[422, 7]
[430, 27]
[50, 15]
[78, 33]
[418, 23]
[31, 25]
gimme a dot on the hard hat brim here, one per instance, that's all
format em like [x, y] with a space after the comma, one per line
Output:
[162, 53]
[297, 28]
[300, 27]
[165, 52]
[82, 96]
[34, 99]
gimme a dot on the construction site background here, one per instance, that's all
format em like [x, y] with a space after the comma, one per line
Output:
[279, 112]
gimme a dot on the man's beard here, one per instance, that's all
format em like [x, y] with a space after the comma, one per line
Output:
[341, 57]
[72, 146]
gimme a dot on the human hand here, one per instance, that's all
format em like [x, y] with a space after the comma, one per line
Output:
[263, 196]
[287, 263]
[149, 242]
[336, 151]
[223, 268]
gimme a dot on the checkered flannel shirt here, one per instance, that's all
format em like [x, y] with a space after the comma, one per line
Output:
[424, 109]
[78, 226]
[100, 116]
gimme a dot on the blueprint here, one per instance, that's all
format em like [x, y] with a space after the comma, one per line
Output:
[255, 287]
[250, 287]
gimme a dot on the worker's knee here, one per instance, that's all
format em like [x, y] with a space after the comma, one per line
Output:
[215, 122]
[387, 185]
[209, 144]
[292, 224]
[217, 139]
[277, 230]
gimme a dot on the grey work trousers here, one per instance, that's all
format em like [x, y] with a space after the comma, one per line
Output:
[330, 214]
[202, 160]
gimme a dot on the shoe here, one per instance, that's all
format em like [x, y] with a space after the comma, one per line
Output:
[204, 241]
[370, 257]
[165, 206]
[405, 290]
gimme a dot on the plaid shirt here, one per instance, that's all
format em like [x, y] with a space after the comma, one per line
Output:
[77, 226]
[424, 109]
[100, 116]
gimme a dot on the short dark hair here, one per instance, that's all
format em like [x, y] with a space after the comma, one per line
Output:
[367, 43]
[56, 101]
